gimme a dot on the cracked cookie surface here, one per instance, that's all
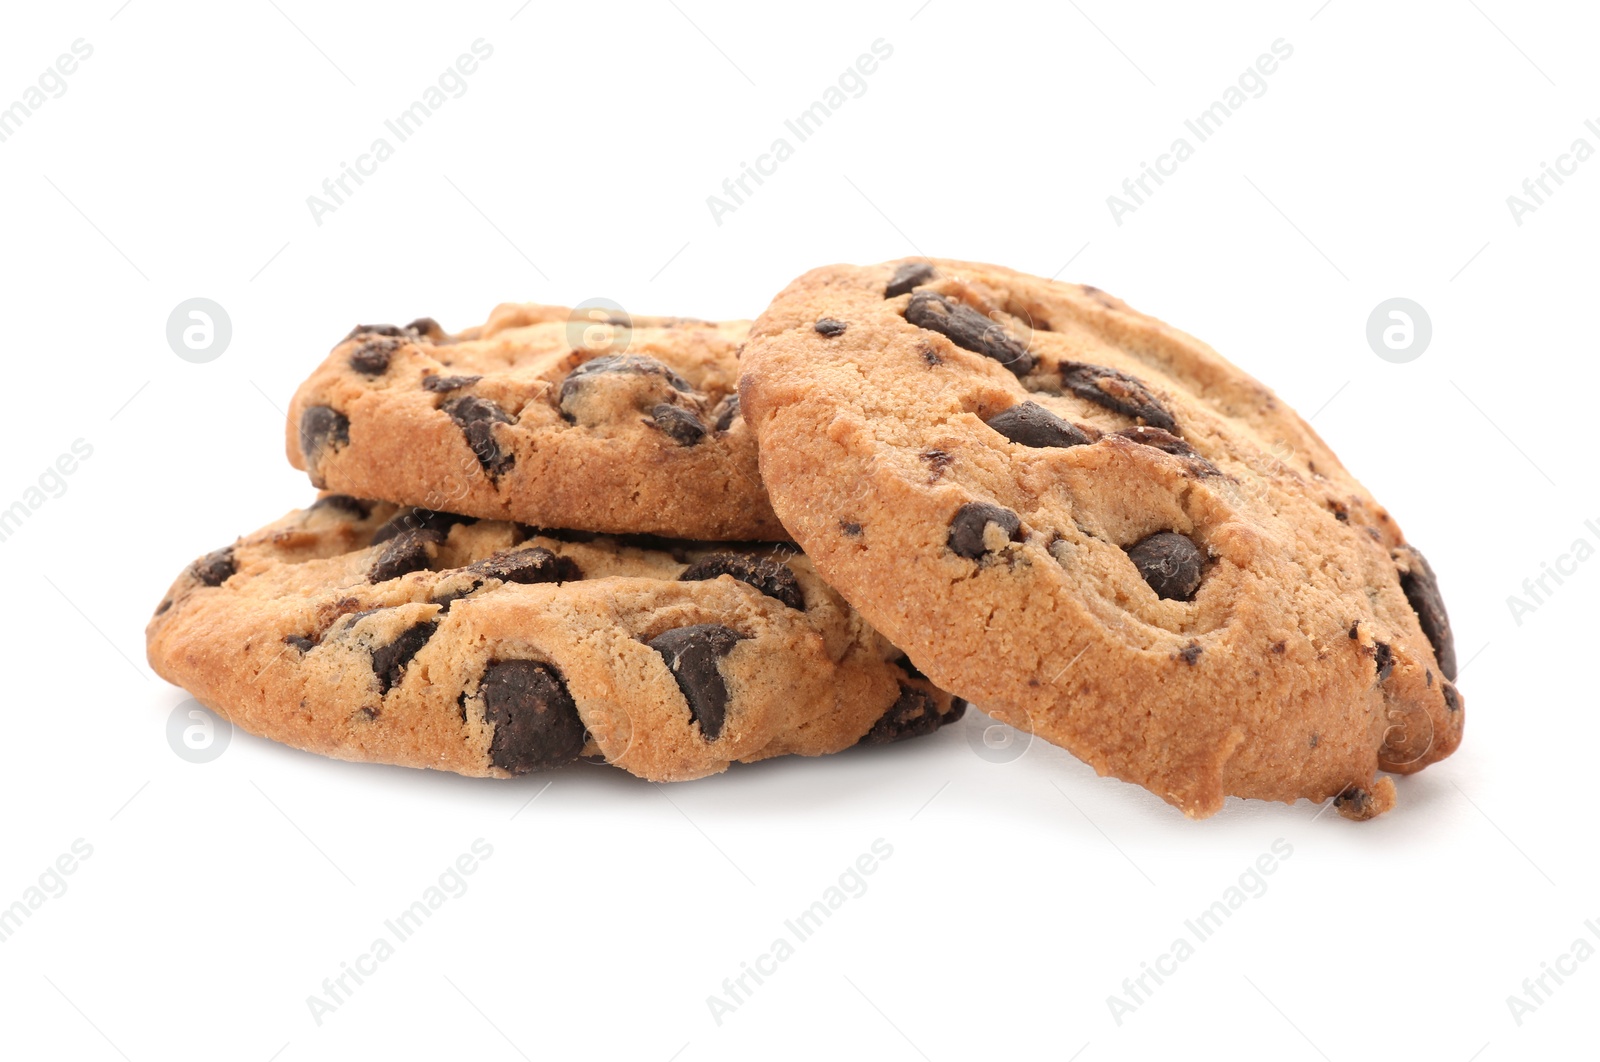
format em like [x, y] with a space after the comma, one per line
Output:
[624, 425]
[1095, 528]
[370, 631]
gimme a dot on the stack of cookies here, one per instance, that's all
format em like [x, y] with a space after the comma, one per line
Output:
[671, 545]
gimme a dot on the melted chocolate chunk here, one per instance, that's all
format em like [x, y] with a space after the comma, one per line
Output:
[684, 427]
[908, 276]
[1030, 424]
[300, 642]
[619, 363]
[527, 566]
[726, 413]
[1422, 590]
[969, 523]
[374, 330]
[389, 662]
[372, 357]
[1168, 443]
[938, 461]
[1354, 802]
[913, 714]
[692, 654]
[476, 417]
[536, 723]
[1190, 654]
[345, 504]
[406, 552]
[967, 328]
[215, 567]
[767, 575]
[322, 428]
[1170, 563]
[425, 326]
[1452, 697]
[830, 327]
[1116, 391]
[419, 519]
[444, 384]
[904, 664]
[1383, 659]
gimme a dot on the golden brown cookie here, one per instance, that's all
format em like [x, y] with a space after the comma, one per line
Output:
[541, 415]
[366, 631]
[1097, 529]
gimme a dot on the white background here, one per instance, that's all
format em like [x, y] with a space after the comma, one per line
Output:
[1019, 894]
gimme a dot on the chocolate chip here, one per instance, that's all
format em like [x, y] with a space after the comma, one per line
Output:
[560, 534]
[345, 504]
[527, 566]
[443, 384]
[1190, 654]
[406, 552]
[536, 723]
[1354, 803]
[970, 522]
[166, 604]
[913, 714]
[691, 654]
[1116, 391]
[850, 528]
[1030, 424]
[1383, 659]
[1170, 563]
[938, 461]
[1452, 697]
[1168, 443]
[425, 326]
[476, 417]
[300, 642]
[726, 413]
[419, 519]
[966, 327]
[215, 567]
[684, 427]
[767, 575]
[372, 357]
[908, 276]
[1422, 590]
[374, 330]
[389, 662]
[1159, 438]
[322, 427]
[830, 327]
[619, 363]
[903, 662]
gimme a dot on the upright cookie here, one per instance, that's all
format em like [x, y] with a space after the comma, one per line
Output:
[544, 416]
[366, 631]
[1096, 528]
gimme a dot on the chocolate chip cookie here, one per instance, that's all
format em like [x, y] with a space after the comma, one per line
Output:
[1096, 528]
[368, 631]
[542, 415]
